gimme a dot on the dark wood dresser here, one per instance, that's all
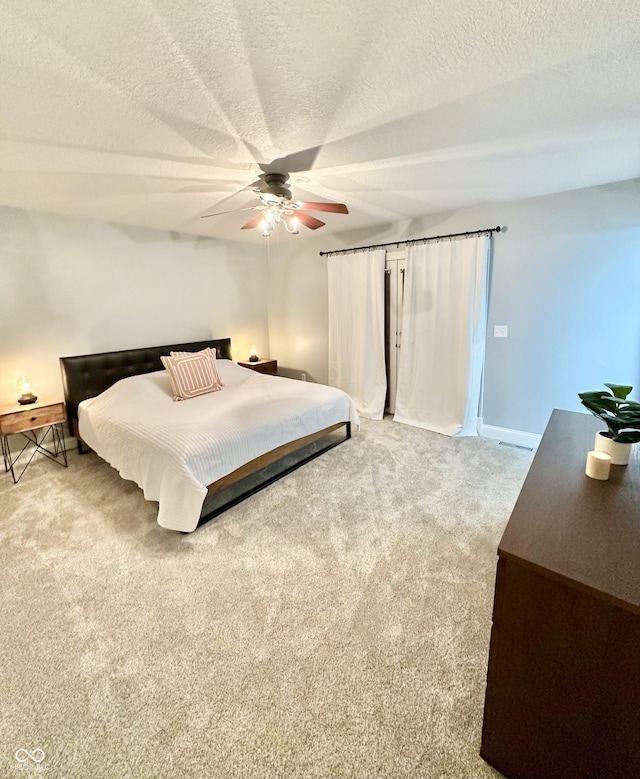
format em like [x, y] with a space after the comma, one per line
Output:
[563, 683]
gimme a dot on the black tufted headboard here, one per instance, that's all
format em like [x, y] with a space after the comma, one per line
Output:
[87, 375]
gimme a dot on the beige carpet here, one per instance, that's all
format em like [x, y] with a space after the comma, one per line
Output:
[334, 625]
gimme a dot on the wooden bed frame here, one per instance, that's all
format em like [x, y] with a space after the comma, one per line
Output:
[85, 376]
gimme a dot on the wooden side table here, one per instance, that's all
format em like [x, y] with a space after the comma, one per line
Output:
[28, 421]
[262, 365]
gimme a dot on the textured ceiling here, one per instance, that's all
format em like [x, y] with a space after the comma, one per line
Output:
[154, 112]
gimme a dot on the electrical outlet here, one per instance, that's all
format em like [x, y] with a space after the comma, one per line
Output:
[500, 331]
[303, 377]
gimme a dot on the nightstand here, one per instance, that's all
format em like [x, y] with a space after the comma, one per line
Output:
[45, 416]
[261, 366]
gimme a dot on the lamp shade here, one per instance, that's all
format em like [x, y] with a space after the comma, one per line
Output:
[26, 394]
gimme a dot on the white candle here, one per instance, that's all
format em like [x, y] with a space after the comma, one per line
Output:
[598, 465]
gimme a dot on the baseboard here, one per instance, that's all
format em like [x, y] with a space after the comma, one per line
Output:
[508, 436]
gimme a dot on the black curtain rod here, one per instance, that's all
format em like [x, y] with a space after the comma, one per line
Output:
[488, 231]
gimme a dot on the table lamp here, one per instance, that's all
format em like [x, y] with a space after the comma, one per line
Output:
[24, 385]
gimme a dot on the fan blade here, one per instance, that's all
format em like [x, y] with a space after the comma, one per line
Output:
[309, 221]
[336, 208]
[232, 211]
[253, 222]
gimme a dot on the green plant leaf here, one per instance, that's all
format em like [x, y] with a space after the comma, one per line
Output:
[620, 390]
[628, 437]
[599, 400]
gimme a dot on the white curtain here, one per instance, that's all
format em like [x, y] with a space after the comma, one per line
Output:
[356, 329]
[444, 325]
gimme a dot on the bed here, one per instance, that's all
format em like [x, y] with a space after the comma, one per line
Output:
[198, 457]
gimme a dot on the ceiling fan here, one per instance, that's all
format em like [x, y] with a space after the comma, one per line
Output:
[277, 206]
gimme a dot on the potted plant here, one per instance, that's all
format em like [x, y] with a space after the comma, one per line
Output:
[621, 416]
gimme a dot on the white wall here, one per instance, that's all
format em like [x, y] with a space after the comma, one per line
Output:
[298, 327]
[77, 286]
[565, 279]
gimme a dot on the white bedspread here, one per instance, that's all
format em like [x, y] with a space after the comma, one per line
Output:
[172, 450]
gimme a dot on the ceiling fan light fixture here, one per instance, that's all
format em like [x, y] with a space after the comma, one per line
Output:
[291, 225]
[277, 205]
[276, 213]
[270, 220]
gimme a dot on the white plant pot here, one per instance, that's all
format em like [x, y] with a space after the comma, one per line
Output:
[619, 452]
